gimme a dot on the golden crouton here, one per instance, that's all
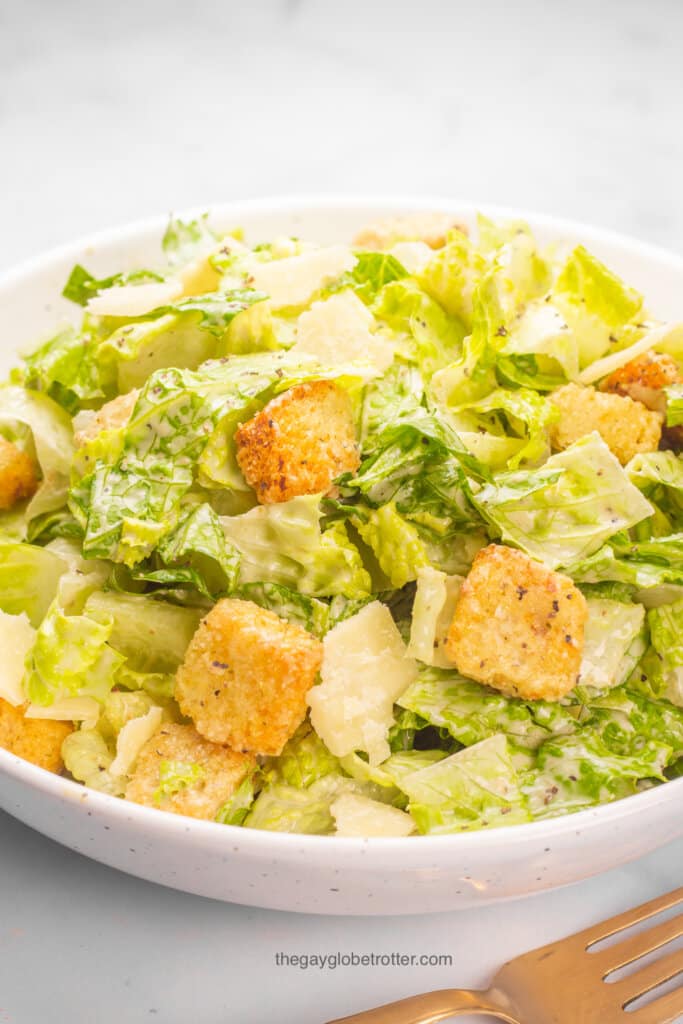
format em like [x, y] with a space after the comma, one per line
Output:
[111, 416]
[180, 772]
[299, 443]
[18, 479]
[518, 626]
[625, 426]
[431, 228]
[644, 379]
[245, 677]
[37, 740]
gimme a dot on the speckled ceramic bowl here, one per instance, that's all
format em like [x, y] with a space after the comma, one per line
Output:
[320, 874]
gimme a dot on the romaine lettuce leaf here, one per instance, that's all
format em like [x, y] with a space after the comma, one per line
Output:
[183, 239]
[644, 564]
[452, 276]
[195, 554]
[71, 657]
[664, 670]
[88, 758]
[82, 286]
[430, 338]
[578, 771]
[394, 541]
[566, 510]
[614, 642]
[472, 376]
[152, 635]
[67, 370]
[472, 712]
[473, 789]
[303, 761]
[309, 612]
[283, 808]
[29, 576]
[235, 810]
[659, 476]
[598, 307]
[284, 544]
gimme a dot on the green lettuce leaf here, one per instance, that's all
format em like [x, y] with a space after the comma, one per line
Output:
[598, 307]
[472, 712]
[566, 510]
[182, 240]
[473, 789]
[183, 423]
[235, 810]
[395, 542]
[66, 369]
[303, 761]
[645, 564]
[284, 544]
[71, 657]
[309, 612]
[195, 554]
[29, 577]
[176, 775]
[283, 808]
[152, 635]
[82, 286]
[430, 338]
[579, 771]
[614, 642]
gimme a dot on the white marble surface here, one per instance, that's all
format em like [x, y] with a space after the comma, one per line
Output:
[109, 112]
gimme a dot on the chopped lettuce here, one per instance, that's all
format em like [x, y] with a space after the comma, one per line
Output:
[598, 307]
[283, 808]
[475, 788]
[566, 510]
[472, 712]
[235, 810]
[285, 544]
[614, 642]
[303, 761]
[578, 771]
[71, 657]
[29, 576]
[152, 635]
[196, 554]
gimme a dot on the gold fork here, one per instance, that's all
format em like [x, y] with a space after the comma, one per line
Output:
[565, 983]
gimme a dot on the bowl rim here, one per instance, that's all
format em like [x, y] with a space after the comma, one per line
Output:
[165, 822]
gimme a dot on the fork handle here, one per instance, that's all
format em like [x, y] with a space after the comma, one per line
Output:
[430, 1008]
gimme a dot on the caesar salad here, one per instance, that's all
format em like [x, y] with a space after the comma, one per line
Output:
[369, 539]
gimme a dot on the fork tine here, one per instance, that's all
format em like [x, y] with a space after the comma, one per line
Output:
[666, 1010]
[656, 973]
[617, 924]
[623, 953]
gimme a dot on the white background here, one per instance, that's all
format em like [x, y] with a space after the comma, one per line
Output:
[112, 111]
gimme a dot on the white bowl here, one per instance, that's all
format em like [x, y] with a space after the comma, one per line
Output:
[321, 874]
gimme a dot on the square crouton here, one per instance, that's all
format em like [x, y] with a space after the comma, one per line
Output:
[644, 379]
[245, 677]
[180, 772]
[299, 443]
[37, 740]
[18, 477]
[430, 228]
[518, 626]
[625, 426]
